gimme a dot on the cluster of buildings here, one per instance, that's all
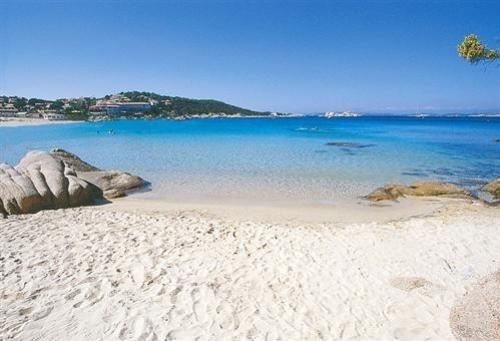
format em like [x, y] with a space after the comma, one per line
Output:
[8, 110]
[332, 114]
[119, 104]
[35, 110]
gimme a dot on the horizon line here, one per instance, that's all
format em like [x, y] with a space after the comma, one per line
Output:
[382, 112]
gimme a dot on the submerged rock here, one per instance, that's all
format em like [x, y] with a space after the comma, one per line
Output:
[113, 183]
[349, 145]
[419, 188]
[40, 181]
[493, 188]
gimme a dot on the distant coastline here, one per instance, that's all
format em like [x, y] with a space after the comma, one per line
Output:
[133, 104]
[18, 111]
[21, 122]
[409, 115]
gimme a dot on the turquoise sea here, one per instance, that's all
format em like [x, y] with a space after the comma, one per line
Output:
[301, 159]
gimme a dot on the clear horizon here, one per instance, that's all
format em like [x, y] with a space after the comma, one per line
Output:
[295, 56]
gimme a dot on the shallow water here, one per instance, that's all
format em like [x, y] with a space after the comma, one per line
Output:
[300, 159]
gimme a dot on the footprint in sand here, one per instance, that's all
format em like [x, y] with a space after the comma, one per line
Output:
[140, 329]
[174, 293]
[91, 294]
[42, 314]
[412, 283]
[25, 311]
[73, 294]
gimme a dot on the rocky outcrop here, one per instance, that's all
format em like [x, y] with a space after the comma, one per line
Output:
[388, 192]
[17, 192]
[41, 181]
[493, 188]
[58, 179]
[113, 183]
[73, 161]
[419, 188]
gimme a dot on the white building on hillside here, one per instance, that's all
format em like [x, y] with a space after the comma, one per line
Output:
[8, 112]
[53, 116]
[115, 108]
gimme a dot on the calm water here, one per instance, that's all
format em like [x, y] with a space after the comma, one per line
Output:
[276, 159]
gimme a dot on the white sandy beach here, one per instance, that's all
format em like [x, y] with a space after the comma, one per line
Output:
[134, 271]
[19, 122]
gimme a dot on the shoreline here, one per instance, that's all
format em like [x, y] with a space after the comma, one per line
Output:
[18, 122]
[347, 211]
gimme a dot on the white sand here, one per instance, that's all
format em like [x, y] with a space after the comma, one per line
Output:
[18, 122]
[107, 274]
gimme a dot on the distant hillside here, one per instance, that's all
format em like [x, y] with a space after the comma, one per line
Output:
[176, 106]
[132, 103]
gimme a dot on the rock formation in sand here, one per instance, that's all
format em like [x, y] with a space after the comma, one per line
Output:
[58, 179]
[113, 183]
[476, 316]
[73, 161]
[41, 181]
[493, 188]
[419, 188]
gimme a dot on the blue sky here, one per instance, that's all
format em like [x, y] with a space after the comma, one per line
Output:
[290, 56]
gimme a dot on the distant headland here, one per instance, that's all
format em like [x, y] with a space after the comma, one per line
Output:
[132, 104]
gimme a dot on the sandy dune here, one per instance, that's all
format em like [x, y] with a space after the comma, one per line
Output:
[105, 274]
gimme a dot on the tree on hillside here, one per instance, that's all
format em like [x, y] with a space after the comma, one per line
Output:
[474, 51]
